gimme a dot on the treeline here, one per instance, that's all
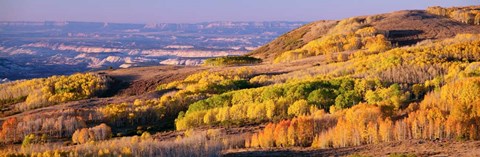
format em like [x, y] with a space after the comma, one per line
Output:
[468, 15]
[199, 143]
[431, 63]
[209, 82]
[349, 34]
[299, 131]
[53, 126]
[427, 61]
[450, 113]
[286, 100]
[133, 114]
[38, 93]
[232, 60]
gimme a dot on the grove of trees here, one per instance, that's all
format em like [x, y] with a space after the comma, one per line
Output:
[232, 60]
[349, 34]
[97, 133]
[58, 125]
[30, 94]
[468, 15]
[279, 102]
[449, 113]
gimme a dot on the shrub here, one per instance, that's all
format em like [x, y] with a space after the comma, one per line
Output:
[232, 60]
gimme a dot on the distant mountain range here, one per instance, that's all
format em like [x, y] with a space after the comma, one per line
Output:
[50, 48]
[219, 28]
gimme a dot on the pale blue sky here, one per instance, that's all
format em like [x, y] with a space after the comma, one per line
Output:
[191, 11]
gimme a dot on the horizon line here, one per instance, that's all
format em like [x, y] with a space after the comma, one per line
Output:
[80, 21]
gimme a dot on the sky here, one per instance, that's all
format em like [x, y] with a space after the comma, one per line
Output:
[193, 11]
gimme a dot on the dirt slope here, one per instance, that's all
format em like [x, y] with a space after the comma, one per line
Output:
[142, 80]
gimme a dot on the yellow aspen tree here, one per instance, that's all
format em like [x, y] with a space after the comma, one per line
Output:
[254, 142]
[292, 134]
[372, 133]
[268, 135]
[281, 134]
[385, 130]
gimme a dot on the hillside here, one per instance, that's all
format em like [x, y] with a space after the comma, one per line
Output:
[400, 28]
[401, 83]
[293, 40]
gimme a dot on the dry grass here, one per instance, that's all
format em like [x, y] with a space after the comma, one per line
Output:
[197, 143]
[415, 147]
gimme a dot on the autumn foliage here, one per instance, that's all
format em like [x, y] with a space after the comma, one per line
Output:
[349, 34]
[97, 133]
[271, 103]
[365, 92]
[38, 93]
[468, 15]
[54, 126]
[450, 113]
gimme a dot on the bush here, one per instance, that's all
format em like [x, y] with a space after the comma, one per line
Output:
[232, 60]
[97, 133]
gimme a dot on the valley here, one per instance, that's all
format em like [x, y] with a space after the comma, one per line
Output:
[59, 48]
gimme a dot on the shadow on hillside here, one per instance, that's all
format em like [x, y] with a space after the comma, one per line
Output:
[115, 87]
[403, 37]
[271, 73]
